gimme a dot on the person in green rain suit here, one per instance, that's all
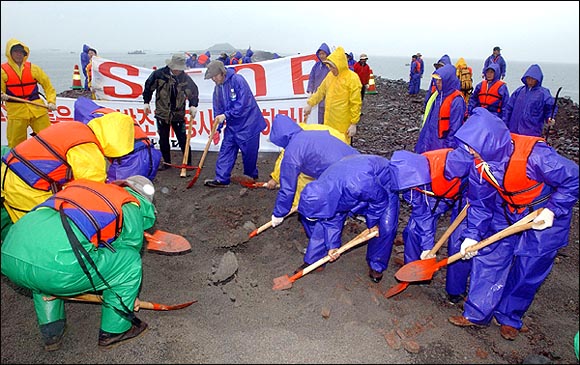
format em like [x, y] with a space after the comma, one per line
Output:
[85, 238]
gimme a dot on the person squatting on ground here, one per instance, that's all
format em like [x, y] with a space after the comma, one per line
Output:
[341, 90]
[363, 70]
[39, 167]
[172, 88]
[491, 93]
[444, 112]
[512, 175]
[446, 171]
[530, 106]
[143, 160]
[21, 79]
[317, 74]
[354, 185]
[307, 152]
[85, 238]
[303, 179]
[234, 106]
[414, 75]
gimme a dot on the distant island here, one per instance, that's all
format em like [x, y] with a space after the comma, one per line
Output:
[138, 51]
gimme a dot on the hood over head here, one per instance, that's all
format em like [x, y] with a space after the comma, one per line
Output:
[535, 72]
[14, 42]
[496, 70]
[323, 47]
[487, 135]
[283, 129]
[338, 58]
[409, 169]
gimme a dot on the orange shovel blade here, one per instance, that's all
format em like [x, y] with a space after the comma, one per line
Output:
[166, 243]
[394, 290]
[420, 270]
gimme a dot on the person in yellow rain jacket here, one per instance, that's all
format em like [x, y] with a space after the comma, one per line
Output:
[341, 89]
[303, 179]
[38, 168]
[21, 79]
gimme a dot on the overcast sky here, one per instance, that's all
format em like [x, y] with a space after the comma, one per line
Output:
[538, 31]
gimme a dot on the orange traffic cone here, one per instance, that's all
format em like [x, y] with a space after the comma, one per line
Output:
[76, 82]
[372, 87]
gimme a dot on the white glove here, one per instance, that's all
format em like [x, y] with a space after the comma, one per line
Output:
[192, 112]
[424, 255]
[51, 106]
[547, 216]
[147, 109]
[351, 131]
[276, 221]
[4, 97]
[468, 242]
[551, 122]
[307, 110]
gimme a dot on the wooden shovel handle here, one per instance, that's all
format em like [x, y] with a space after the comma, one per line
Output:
[14, 98]
[449, 230]
[94, 298]
[364, 236]
[521, 225]
[265, 226]
[187, 142]
[210, 138]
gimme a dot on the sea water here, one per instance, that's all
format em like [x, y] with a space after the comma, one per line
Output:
[59, 66]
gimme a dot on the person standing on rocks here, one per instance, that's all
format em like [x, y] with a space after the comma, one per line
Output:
[420, 60]
[491, 93]
[363, 70]
[444, 113]
[235, 106]
[307, 152]
[512, 175]
[414, 76]
[317, 74]
[173, 88]
[354, 185]
[64, 248]
[341, 90]
[22, 79]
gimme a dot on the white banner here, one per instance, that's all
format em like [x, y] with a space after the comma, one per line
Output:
[279, 86]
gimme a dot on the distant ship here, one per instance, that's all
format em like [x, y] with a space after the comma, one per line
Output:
[139, 51]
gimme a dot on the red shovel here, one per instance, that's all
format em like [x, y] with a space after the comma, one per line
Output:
[198, 171]
[93, 298]
[460, 217]
[285, 282]
[421, 270]
[165, 243]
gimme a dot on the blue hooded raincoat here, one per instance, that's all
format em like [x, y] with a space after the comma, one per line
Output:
[429, 137]
[308, 152]
[507, 274]
[528, 109]
[355, 185]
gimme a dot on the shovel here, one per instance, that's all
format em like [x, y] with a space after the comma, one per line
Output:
[424, 269]
[250, 183]
[200, 165]
[265, 226]
[14, 98]
[404, 284]
[165, 243]
[187, 147]
[93, 298]
[285, 282]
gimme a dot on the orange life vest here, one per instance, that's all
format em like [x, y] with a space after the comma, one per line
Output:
[488, 96]
[518, 191]
[95, 208]
[440, 186]
[41, 161]
[445, 113]
[25, 87]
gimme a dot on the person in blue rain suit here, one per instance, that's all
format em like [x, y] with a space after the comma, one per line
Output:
[446, 192]
[444, 112]
[530, 106]
[355, 185]
[248, 57]
[444, 60]
[235, 106]
[512, 175]
[305, 151]
[491, 93]
[317, 73]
